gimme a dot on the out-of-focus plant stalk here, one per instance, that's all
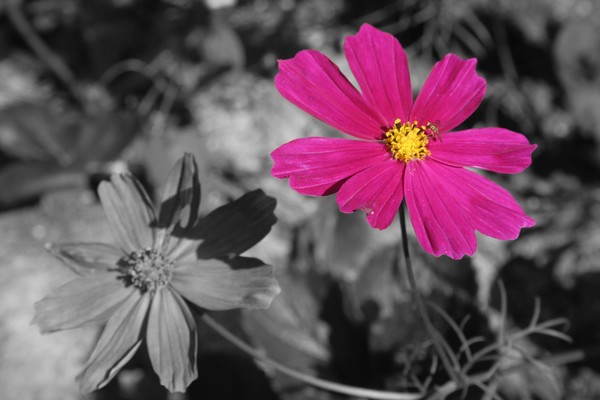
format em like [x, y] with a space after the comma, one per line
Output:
[55, 63]
[434, 335]
[308, 379]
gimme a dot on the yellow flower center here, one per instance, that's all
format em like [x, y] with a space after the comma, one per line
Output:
[407, 141]
[147, 270]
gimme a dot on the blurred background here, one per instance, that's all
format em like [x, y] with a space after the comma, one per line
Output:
[92, 87]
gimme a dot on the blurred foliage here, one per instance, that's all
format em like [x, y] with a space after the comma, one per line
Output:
[90, 87]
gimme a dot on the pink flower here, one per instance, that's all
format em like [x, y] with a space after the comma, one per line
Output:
[405, 150]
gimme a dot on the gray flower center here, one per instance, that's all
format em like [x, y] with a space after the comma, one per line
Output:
[147, 269]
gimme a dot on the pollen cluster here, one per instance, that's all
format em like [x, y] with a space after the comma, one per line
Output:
[407, 141]
[147, 269]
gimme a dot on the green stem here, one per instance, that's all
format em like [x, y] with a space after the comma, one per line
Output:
[310, 380]
[434, 335]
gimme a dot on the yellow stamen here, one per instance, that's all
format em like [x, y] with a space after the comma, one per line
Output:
[407, 141]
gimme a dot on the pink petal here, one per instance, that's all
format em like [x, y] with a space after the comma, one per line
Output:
[447, 204]
[493, 149]
[377, 190]
[440, 222]
[172, 340]
[217, 285]
[316, 85]
[129, 211]
[317, 166]
[86, 258]
[380, 66]
[118, 342]
[83, 301]
[451, 93]
[491, 209]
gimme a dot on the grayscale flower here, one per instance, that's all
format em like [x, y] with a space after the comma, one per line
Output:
[140, 290]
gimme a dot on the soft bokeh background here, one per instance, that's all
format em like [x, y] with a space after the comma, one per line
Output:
[98, 86]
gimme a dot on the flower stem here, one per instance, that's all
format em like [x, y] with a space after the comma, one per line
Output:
[434, 335]
[55, 63]
[308, 379]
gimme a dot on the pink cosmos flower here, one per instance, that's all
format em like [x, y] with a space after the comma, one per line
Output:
[406, 151]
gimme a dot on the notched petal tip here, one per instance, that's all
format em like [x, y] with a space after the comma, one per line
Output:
[452, 92]
[172, 340]
[367, 30]
[494, 149]
[36, 320]
[315, 84]
[284, 62]
[319, 166]
[380, 65]
[460, 202]
[40, 319]
[366, 26]
[54, 250]
[262, 299]
[261, 277]
[457, 255]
